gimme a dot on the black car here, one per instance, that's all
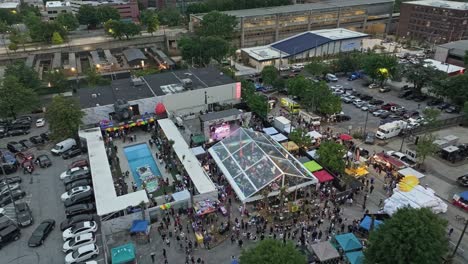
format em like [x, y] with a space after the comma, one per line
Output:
[385, 115]
[41, 233]
[26, 143]
[24, 214]
[79, 198]
[11, 180]
[463, 180]
[370, 138]
[420, 98]
[443, 106]
[434, 101]
[404, 93]
[45, 136]
[17, 132]
[342, 118]
[15, 147]
[83, 182]
[452, 109]
[77, 219]
[71, 153]
[37, 140]
[366, 97]
[376, 102]
[80, 209]
[43, 161]
[410, 114]
[9, 233]
[16, 194]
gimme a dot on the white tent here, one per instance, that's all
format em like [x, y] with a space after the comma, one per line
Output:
[198, 151]
[279, 137]
[314, 134]
[411, 171]
[270, 131]
[418, 197]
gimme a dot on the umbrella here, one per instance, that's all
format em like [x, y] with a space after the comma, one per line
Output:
[345, 137]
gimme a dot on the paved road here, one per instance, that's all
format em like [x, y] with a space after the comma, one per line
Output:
[43, 190]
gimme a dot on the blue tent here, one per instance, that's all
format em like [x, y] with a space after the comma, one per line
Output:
[366, 223]
[464, 195]
[348, 242]
[355, 257]
[139, 226]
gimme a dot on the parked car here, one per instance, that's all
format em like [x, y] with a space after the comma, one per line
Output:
[77, 219]
[331, 78]
[347, 100]
[410, 114]
[434, 101]
[17, 132]
[379, 112]
[74, 171]
[40, 122]
[45, 136]
[8, 162]
[452, 109]
[373, 86]
[79, 163]
[26, 143]
[80, 209]
[5, 189]
[78, 241]
[388, 106]
[37, 140]
[10, 180]
[24, 214]
[82, 182]
[385, 114]
[342, 118]
[73, 192]
[8, 233]
[376, 102]
[17, 194]
[463, 180]
[404, 93]
[43, 161]
[71, 153]
[370, 138]
[385, 89]
[78, 229]
[15, 147]
[81, 254]
[82, 197]
[41, 233]
[354, 76]
[420, 98]
[366, 97]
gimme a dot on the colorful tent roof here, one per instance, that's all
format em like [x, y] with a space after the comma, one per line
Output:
[160, 109]
[139, 226]
[356, 257]
[312, 166]
[464, 195]
[366, 222]
[345, 137]
[323, 176]
[290, 146]
[123, 254]
[348, 242]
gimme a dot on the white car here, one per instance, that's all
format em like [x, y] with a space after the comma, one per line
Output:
[284, 68]
[79, 241]
[40, 122]
[334, 87]
[373, 86]
[71, 193]
[82, 253]
[69, 172]
[78, 229]
[379, 112]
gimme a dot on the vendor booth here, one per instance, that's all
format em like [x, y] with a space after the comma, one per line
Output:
[410, 171]
[461, 200]
[356, 257]
[270, 131]
[140, 230]
[323, 176]
[124, 254]
[198, 151]
[366, 223]
[325, 252]
[348, 242]
[290, 146]
[279, 138]
[357, 170]
[198, 140]
[388, 161]
[312, 166]
[218, 125]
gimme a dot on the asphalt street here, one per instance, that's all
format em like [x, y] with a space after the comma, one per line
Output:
[43, 189]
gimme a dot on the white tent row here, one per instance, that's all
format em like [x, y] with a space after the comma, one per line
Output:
[418, 197]
[410, 171]
[279, 138]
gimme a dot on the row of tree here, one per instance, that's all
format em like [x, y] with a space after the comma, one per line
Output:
[223, 5]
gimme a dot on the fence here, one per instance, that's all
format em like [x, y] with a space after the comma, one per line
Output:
[453, 121]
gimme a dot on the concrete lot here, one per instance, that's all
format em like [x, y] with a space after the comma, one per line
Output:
[43, 190]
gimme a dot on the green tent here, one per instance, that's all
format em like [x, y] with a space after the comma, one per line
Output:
[312, 166]
[198, 139]
[123, 254]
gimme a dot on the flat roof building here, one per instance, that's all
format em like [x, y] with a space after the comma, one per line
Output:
[302, 47]
[261, 26]
[433, 21]
[452, 52]
[53, 8]
[128, 9]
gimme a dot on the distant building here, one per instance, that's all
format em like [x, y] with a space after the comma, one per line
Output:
[434, 21]
[303, 46]
[448, 68]
[161, 4]
[13, 6]
[452, 52]
[262, 26]
[54, 8]
[128, 9]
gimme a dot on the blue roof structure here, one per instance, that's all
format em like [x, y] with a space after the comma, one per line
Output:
[464, 195]
[366, 223]
[300, 43]
[348, 242]
[139, 226]
[356, 257]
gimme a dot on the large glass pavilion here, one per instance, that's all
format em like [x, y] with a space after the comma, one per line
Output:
[255, 164]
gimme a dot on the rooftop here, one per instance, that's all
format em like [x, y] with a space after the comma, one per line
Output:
[9, 5]
[107, 200]
[445, 67]
[330, 4]
[57, 4]
[441, 4]
[154, 85]
[220, 114]
[457, 48]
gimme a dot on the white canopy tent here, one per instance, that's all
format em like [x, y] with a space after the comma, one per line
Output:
[410, 171]
[198, 151]
[314, 134]
[279, 138]
[270, 130]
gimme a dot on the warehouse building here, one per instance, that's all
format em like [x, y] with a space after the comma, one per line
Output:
[302, 47]
[452, 52]
[262, 26]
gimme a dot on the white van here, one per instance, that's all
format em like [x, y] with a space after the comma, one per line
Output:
[63, 146]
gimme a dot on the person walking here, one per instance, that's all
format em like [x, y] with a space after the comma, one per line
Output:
[450, 231]
[371, 188]
[153, 256]
[164, 253]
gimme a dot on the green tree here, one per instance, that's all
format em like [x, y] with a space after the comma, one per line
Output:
[118, 29]
[465, 110]
[348, 62]
[170, 16]
[465, 58]
[93, 78]
[425, 147]
[104, 13]
[317, 68]
[9, 17]
[300, 137]
[15, 97]
[272, 252]
[13, 46]
[331, 156]
[57, 79]
[18, 37]
[150, 19]
[421, 74]
[146, 15]
[87, 15]
[380, 66]
[257, 103]
[217, 24]
[24, 74]
[64, 116]
[297, 85]
[201, 50]
[329, 104]
[411, 236]
[431, 115]
[56, 38]
[35, 27]
[131, 29]
[67, 21]
[269, 75]
[454, 88]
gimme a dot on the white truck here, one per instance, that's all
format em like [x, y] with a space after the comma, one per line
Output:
[390, 130]
[309, 118]
[282, 124]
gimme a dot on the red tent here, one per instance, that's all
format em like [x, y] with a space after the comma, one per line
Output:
[384, 158]
[160, 109]
[345, 137]
[323, 176]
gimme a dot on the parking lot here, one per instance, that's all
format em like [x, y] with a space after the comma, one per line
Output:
[43, 189]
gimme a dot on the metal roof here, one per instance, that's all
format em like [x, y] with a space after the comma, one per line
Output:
[220, 114]
[300, 43]
[132, 54]
[457, 48]
[441, 4]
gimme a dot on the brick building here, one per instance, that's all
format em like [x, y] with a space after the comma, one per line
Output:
[433, 21]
